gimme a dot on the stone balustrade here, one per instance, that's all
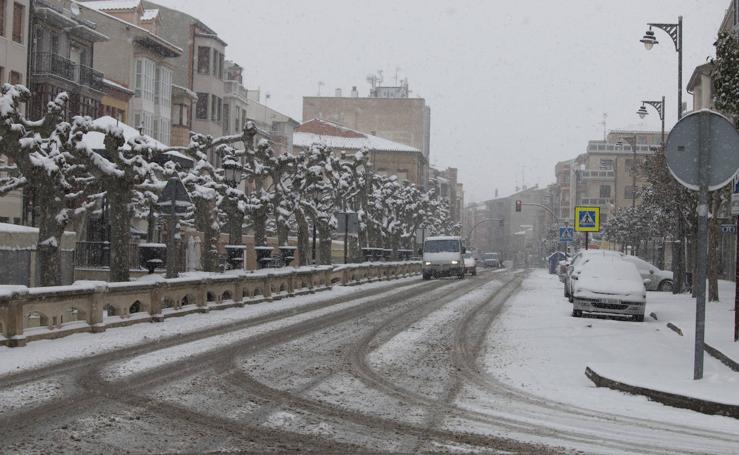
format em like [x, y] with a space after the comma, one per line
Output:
[28, 314]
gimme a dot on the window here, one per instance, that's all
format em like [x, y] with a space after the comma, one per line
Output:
[181, 114]
[55, 43]
[606, 164]
[18, 11]
[605, 191]
[215, 108]
[2, 17]
[629, 192]
[201, 110]
[157, 85]
[2, 74]
[203, 60]
[166, 86]
[15, 78]
[226, 117]
[145, 79]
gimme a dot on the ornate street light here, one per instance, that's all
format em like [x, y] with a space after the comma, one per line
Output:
[659, 106]
[676, 33]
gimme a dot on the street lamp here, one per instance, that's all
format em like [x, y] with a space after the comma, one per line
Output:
[676, 33]
[660, 107]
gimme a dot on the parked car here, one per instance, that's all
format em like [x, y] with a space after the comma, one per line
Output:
[578, 260]
[442, 256]
[470, 264]
[659, 280]
[609, 285]
[491, 260]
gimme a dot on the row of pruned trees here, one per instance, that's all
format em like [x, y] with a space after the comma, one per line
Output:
[273, 194]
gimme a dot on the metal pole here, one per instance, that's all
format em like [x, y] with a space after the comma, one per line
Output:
[679, 67]
[699, 282]
[314, 243]
[587, 240]
[736, 286]
[346, 234]
[633, 174]
[663, 122]
[171, 247]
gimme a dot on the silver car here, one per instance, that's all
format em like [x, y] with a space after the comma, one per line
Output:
[659, 280]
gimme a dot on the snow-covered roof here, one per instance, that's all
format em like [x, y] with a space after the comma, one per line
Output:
[96, 141]
[112, 5]
[336, 136]
[6, 227]
[149, 14]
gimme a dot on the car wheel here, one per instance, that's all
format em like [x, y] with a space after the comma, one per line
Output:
[665, 286]
[566, 294]
[576, 313]
[461, 276]
[474, 272]
[639, 318]
[426, 277]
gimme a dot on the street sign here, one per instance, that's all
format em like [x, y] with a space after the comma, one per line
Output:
[566, 234]
[728, 228]
[353, 224]
[686, 140]
[587, 219]
[174, 192]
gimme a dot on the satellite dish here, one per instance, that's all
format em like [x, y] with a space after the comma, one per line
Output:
[75, 9]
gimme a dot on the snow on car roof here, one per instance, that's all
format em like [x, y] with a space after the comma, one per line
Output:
[443, 237]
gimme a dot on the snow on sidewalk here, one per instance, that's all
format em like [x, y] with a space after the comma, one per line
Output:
[45, 352]
[537, 346]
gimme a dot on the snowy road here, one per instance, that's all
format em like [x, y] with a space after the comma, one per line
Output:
[393, 368]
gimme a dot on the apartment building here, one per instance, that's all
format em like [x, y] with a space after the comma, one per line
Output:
[14, 41]
[388, 113]
[138, 60]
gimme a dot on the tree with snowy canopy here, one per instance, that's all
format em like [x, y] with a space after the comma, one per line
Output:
[44, 155]
[125, 169]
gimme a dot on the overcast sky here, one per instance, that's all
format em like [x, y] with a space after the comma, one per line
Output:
[514, 86]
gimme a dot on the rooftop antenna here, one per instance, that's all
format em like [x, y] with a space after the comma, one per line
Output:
[397, 70]
[320, 84]
[605, 116]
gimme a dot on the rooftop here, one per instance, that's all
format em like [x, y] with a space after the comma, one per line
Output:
[336, 136]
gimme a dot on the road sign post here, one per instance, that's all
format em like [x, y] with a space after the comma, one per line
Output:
[709, 140]
[587, 220]
[174, 197]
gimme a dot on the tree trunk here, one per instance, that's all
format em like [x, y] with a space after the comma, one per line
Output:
[303, 238]
[324, 244]
[714, 254]
[120, 234]
[204, 215]
[235, 222]
[260, 227]
[48, 248]
[678, 252]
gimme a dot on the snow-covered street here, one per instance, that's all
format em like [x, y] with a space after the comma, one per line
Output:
[490, 364]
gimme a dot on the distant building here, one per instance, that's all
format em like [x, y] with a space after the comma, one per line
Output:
[388, 113]
[446, 183]
[386, 157]
[602, 176]
[241, 104]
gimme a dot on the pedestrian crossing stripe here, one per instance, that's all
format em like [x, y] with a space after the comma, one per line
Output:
[587, 219]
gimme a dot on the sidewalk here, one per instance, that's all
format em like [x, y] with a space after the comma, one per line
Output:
[537, 346]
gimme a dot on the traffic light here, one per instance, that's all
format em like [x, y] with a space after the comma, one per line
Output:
[518, 205]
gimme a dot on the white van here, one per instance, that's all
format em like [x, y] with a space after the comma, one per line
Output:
[442, 256]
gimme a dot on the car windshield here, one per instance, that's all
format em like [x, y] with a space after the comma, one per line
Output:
[441, 246]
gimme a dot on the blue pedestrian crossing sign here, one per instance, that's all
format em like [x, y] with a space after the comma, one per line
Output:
[587, 219]
[566, 234]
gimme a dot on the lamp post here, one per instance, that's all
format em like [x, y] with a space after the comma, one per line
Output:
[660, 107]
[632, 142]
[676, 33]
[232, 173]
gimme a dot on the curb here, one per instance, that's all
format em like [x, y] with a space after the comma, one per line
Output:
[721, 357]
[669, 399]
[713, 352]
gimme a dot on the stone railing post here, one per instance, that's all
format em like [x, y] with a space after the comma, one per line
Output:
[155, 302]
[97, 302]
[291, 283]
[14, 321]
[267, 285]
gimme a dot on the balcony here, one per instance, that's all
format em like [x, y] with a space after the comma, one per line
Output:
[47, 63]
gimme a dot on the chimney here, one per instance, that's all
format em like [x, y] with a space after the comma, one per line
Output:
[338, 93]
[355, 93]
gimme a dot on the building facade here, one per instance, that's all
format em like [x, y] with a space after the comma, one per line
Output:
[446, 183]
[387, 113]
[137, 59]
[14, 16]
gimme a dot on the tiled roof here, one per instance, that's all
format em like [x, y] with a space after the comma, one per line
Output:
[339, 137]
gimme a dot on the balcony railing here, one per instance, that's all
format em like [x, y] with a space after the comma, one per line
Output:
[56, 65]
